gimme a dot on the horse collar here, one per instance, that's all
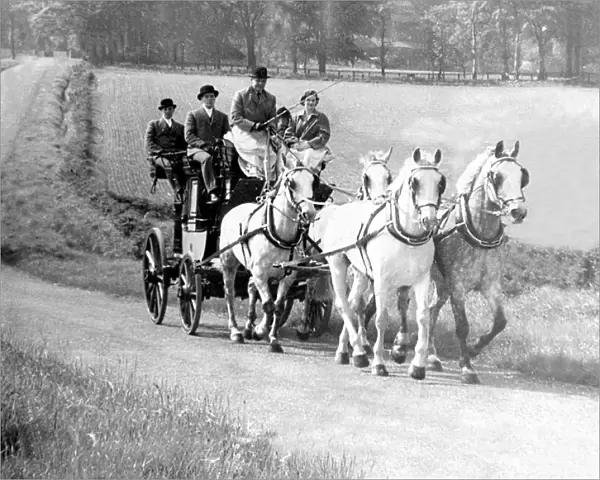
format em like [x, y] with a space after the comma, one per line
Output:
[465, 227]
[271, 234]
[396, 230]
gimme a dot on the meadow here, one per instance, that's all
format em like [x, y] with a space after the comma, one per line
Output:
[94, 122]
[557, 127]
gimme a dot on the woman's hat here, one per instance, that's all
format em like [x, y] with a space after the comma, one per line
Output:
[166, 103]
[260, 72]
[309, 93]
[204, 89]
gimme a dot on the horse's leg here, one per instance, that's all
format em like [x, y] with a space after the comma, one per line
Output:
[338, 265]
[381, 315]
[419, 362]
[341, 354]
[268, 306]
[440, 297]
[457, 300]
[402, 341]
[493, 294]
[282, 289]
[357, 304]
[252, 299]
[229, 266]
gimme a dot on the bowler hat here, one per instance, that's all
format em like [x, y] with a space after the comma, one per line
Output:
[166, 103]
[260, 72]
[204, 89]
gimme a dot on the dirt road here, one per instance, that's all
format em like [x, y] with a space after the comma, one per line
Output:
[396, 427]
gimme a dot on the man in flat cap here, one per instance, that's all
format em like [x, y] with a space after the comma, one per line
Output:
[204, 132]
[165, 135]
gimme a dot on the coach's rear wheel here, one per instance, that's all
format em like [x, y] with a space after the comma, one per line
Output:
[156, 283]
[317, 314]
[189, 291]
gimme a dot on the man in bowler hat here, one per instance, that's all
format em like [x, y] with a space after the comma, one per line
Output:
[253, 106]
[165, 135]
[204, 132]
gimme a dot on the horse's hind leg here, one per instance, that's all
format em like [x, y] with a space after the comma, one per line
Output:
[230, 265]
[494, 297]
[252, 299]
[457, 300]
[401, 342]
[440, 297]
[357, 304]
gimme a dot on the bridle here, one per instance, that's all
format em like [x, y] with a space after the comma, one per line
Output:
[295, 200]
[364, 189]
[492, 193]
[413, 193]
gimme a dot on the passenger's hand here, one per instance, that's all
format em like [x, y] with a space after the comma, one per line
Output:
[258, 127]
[218, 142]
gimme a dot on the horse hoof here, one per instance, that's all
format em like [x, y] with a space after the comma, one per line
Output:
[469, 378]
[256, 336]
[360, 361]
[302, 336]
[435, 366]
[248, 333]
[237, 338]
[379, 370]
[342, 358]
[368, 350]
[398, 353]
[275, 348]
[418, 373]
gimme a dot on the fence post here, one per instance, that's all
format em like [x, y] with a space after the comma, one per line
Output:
[353, 75]
[488, 76]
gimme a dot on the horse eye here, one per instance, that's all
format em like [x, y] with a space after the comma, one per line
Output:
[414, 183]
[524, 177]
[292, 184]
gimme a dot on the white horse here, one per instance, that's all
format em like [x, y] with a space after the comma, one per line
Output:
[375, 179]
[391, 244]
[274, 228]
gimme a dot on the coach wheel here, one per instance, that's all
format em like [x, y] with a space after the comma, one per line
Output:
[156, 283]
[287, 309]
[317, 313]
[189, 292]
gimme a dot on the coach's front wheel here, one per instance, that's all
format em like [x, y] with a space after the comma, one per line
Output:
[155, 278]
[189, 292]
[317, 314]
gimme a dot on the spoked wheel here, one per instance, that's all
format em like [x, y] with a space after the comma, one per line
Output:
[287, 309]
[189, 292]
[317, 313]
[156, 283]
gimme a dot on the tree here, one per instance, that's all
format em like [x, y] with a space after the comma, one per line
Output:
[542, 21]
[250, 15]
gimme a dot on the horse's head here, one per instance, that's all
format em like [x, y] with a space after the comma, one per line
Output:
[506, 179]
[376, 176]
[425, 183]
[299, 185]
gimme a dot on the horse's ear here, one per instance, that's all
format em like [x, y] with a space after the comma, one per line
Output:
[386, 157]
[417, 155]
[499, 149]
[437, 156]
[515, 150]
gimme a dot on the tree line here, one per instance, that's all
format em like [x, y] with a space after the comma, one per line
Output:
[472, 36]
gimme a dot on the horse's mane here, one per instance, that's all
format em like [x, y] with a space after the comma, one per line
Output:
[465, 182]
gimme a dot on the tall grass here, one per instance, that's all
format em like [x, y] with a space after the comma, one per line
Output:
[62, 420]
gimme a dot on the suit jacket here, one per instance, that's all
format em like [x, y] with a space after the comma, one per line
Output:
[159, 136]
[312, 128]
[201, 132]
[247, 108]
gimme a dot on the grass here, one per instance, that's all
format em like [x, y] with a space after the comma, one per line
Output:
[86, 237]
[62, 420]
